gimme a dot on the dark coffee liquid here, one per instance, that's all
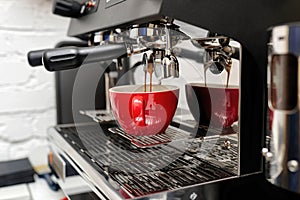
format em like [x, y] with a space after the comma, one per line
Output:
[228, 75]
[150, 82]
[145, 81]
[228, 69]
[150, 71]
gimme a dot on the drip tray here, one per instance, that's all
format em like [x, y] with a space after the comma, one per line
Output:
[185, 170]
[143, 171]
[171, 134]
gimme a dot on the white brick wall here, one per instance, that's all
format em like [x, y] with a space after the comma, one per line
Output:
[27, 95]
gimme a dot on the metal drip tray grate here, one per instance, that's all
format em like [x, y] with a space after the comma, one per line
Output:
[98, 115]
[184, 171]
[171, 134]
[144, 171]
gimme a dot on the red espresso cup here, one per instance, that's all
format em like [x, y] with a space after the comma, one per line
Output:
[213, 105]
[144, 113]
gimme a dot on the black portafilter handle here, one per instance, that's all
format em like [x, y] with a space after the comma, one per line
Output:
[35, 58]
[65, 58]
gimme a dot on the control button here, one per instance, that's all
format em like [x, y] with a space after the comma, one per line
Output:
[91, 4]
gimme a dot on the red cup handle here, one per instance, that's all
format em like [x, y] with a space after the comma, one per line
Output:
[138, 110]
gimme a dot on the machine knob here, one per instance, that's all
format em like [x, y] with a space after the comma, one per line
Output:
[67, 8]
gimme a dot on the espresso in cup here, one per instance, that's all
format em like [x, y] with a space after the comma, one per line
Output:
[213, 105]
[144, 113]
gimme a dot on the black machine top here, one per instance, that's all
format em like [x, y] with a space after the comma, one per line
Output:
[240, 20]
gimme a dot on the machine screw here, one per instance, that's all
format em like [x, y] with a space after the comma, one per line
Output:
[268, 155]
[264, 151]
[227, 144]
[293, 165]
[193, 196]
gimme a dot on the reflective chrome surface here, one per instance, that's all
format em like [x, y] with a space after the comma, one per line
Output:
[283, 141]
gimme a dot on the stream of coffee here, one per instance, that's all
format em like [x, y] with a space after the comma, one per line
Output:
[150, 70]
[145, 81]
[227, 81]
[227, 68]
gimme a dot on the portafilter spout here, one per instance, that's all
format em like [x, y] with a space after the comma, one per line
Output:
[169, 62]
[218, 52]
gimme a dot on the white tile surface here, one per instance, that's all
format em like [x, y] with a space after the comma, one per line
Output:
[27, 95]
[15, 192]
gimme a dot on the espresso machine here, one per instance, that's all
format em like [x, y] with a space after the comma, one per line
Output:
[188, 161]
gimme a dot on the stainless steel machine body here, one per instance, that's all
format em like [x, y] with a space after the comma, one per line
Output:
[114, 163]
[283, 139]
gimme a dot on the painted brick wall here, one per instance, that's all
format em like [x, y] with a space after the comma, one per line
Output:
[27, 95]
